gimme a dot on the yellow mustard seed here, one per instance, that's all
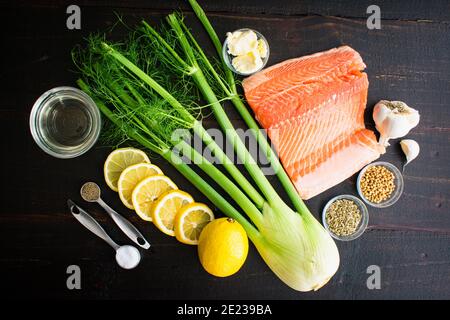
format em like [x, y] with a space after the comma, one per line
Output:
[377, 184]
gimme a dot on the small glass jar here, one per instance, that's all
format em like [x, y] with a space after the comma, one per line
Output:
[227, 57]
[65, 122]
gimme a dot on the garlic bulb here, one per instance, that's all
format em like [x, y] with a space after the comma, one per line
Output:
[411, 150]
[394, 119]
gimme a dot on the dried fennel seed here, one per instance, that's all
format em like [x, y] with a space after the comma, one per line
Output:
[90, 191]
[343, 217]
[377, 184]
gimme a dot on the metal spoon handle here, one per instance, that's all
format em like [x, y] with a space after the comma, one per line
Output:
[126, 226]
[90, 223]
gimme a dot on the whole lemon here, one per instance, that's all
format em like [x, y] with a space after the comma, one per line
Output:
[223, 247]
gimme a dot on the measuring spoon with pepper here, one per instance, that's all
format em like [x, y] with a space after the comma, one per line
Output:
[90, 192]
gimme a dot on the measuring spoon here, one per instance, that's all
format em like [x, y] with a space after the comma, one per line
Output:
[127, 256]
[126, 226]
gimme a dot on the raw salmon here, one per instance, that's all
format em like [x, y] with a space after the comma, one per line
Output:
[313, 110]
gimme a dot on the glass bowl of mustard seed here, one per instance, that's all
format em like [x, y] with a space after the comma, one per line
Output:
[345, 217]
[380, 184]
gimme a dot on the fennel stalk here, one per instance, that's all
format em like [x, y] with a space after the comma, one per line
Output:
[296, 247]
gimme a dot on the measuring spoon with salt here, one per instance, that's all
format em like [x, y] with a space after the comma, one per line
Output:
[90, 192]
[127, 256]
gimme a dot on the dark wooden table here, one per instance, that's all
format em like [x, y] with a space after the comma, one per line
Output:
[408, 59]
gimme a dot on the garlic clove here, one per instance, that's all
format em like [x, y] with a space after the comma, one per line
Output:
[411, 150]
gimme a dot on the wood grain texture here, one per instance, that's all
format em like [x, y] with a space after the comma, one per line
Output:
[408, 59]
[427, 11]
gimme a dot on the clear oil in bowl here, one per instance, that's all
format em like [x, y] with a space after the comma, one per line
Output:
[65, 122]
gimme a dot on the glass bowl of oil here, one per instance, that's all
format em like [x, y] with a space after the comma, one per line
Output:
[65, 122]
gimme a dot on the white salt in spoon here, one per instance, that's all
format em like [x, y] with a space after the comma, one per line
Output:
[128, 257]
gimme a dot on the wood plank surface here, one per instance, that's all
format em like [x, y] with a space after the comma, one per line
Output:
[408, 59]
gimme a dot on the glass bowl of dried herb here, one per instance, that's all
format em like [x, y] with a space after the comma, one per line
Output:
[345, 217]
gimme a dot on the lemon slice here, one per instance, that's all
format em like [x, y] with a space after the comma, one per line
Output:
[148, 191]
[131, 176]
[120, 159]
[190, 221]
[166, 208]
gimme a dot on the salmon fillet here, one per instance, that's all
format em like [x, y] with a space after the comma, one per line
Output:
[313, 110]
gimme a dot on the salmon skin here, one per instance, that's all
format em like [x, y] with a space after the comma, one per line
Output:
[313, 110]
